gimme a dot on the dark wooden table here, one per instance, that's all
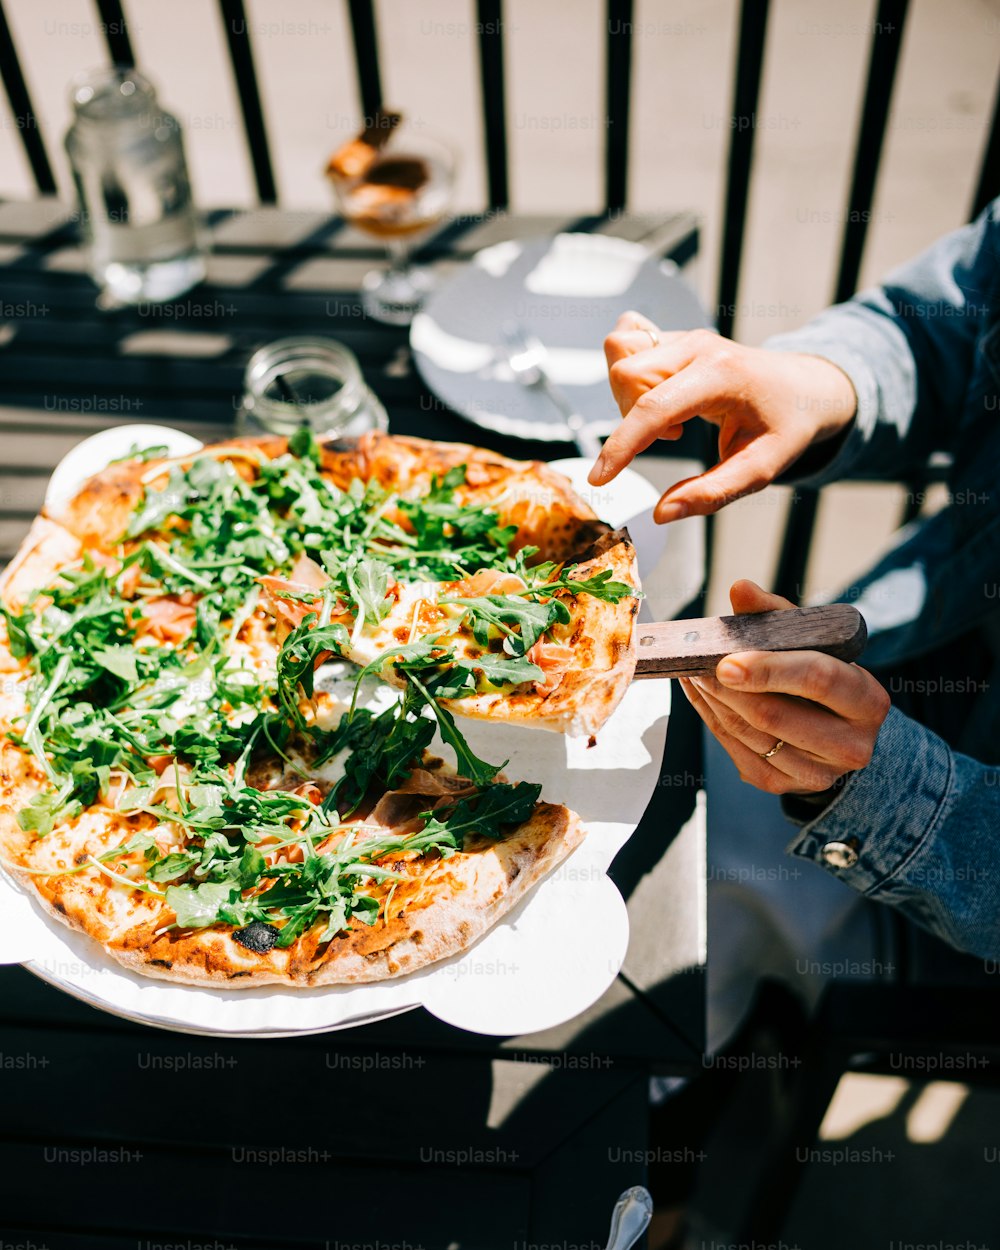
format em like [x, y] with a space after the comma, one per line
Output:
[405, 1133]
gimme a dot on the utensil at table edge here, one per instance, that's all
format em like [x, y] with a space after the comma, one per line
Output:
[526, 356]
[688, 648]
[630, 1218]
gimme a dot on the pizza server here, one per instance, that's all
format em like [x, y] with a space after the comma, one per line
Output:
[687, 648]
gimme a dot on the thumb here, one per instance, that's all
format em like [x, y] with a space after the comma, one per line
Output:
[747, 596]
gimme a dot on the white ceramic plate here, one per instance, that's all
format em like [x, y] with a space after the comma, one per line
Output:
[568, 291]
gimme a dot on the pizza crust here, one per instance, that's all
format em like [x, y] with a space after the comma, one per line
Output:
[47, 548]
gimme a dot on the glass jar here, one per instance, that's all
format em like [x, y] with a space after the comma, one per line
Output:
[136, 212]
[314, 382]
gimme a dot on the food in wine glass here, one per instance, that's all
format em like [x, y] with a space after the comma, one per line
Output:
[393, 183]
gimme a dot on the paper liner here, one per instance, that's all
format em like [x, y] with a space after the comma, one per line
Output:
[548, 960]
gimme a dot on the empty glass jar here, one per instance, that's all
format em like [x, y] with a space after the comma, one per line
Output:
[313, 382]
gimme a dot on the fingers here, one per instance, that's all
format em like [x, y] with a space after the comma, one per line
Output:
[752, 769]
[747, 596]
[657, 411]
[636, 364]
[758, 720]
[826, 713]
[845, 689]
[745, 473]
[805, 769]
[632, 320]
[630, 335]
[634, 325]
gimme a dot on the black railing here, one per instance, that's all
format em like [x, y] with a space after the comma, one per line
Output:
[886, 41]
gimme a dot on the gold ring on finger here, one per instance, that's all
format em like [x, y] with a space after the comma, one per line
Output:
[653, 336]
[766, 755]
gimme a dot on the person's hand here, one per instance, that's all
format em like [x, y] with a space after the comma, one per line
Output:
[826, 713]
[769, 407]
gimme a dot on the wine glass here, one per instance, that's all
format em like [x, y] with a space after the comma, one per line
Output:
[399, 194]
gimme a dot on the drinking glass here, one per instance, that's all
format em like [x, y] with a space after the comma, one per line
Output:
[135, 207]
[404, 191]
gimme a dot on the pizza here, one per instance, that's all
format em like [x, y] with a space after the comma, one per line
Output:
[222, 674]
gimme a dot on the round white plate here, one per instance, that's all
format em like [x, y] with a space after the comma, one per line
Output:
[568, 291]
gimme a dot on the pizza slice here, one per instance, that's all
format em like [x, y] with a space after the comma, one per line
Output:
[549, 645]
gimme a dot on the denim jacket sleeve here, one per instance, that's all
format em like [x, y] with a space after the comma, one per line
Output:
[919, 827]
[908, 347]
[934, 856]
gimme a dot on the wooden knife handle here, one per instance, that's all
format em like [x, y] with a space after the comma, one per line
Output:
[687, 648]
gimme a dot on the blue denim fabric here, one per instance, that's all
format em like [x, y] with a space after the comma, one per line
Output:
[923, 353]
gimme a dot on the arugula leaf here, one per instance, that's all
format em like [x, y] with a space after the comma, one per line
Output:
[469, 764]
[299, 920]
[18, 636]
[368, 583]
[44, 811]
[172, 866]
[159, 505]
[503, 612]
[405, 742]
[297, 660]
[120, 660]
[424, 653]
[251, 868]
[381, 748]
[303, 445]
[197, 906]
[142, 454]
[485, 813]
[600, 585]
[502, 670]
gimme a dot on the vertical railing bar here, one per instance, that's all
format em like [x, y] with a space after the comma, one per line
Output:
[25, 118]
[490, 18]
[796, 544]
[749, 63]
[365, 37]
[619, 90]
[241, 56]
[116, 34]
[887, 39]
[988, 186]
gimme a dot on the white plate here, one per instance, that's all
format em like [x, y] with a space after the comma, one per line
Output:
[568, 291]
[547, 961]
